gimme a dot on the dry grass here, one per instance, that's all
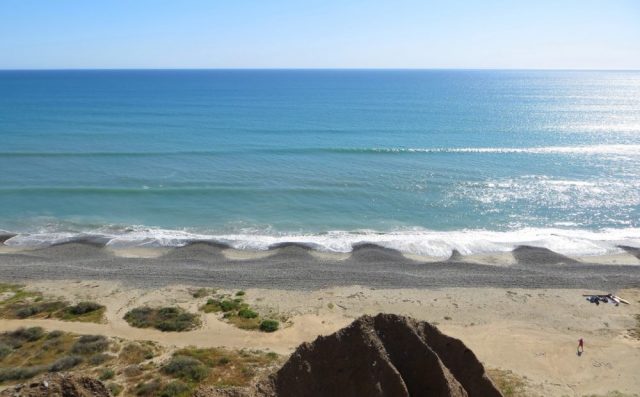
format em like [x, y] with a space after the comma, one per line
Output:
[137, 352]
[510, 384]
[17, 303]
[223, 368]
[128, 367]
[31, 351]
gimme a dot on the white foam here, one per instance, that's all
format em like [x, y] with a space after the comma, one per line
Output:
[416, 241]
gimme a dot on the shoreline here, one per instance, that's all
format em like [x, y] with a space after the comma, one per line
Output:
[295, 266]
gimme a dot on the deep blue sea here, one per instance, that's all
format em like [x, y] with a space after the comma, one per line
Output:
[421, 161]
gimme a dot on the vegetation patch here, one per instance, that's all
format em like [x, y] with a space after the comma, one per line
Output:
[114, 388]
[218, 367]
[137, 352]
[269, 326]
[510, 384]
[28, 352]
[202, 292]
[83, 311]
[16, 302]
[166, 319]
[237, 312]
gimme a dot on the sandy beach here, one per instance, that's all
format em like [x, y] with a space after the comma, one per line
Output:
[521, 312]
[531, 332]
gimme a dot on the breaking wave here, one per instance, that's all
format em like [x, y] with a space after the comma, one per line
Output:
[411, 241]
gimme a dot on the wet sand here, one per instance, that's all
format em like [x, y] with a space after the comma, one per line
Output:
[298, 267]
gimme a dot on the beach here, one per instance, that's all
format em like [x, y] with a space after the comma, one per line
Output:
[523, 312]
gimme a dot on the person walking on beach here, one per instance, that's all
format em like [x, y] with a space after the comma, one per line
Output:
[580, 346]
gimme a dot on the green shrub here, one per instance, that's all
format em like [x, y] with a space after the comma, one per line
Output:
[89, 344]
[114, 388]
[186, 368]
[240, 293]
[107, 374]
[21, 373]
[53, 344]
[100, 358]
[28, 334]
[31, 309]
[54, 334]
[175, 389]
[229, 305]
[164, 319]
[84, 308]
[269, 325]
[5, 350]
[65, 363]
[148, 389]
[247, 313]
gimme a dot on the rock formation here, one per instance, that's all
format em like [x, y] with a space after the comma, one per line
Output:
[385, 355]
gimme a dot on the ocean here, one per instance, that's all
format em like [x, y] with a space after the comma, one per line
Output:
[423, 161]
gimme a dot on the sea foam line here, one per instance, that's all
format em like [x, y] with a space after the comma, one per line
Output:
[573, 242]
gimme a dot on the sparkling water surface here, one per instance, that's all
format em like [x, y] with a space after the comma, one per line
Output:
[422, 161]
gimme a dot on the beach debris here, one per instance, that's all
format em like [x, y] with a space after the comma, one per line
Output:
[607, 298]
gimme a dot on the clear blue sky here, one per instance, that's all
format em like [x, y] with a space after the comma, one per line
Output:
[596, 34]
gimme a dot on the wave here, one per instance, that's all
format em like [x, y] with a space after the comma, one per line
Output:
[609, 149]
[587, 149]
[573, 242]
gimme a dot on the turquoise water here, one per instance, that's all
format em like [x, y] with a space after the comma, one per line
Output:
[423, 161]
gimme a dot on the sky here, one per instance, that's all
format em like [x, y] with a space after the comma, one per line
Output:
[535, 34]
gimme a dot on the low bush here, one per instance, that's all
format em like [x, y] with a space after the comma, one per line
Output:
[114, 388]
[106, 374]
[65, 363]
[247, 313]
[83, 308]
[54, 334]
[21, 373]
[229, 305]
[269, 325]
[175, 389]
[5, 350]
[28, 334]
[90, 344]
[148, 389]
[25, 310]
[165, 319]
[100, 358]
[186, 368]
[135, 353]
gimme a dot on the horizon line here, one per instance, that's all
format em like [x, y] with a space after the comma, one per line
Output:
[310, 69]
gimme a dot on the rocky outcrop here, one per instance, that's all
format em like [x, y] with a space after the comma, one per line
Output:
[385, 355]
[59, 385]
